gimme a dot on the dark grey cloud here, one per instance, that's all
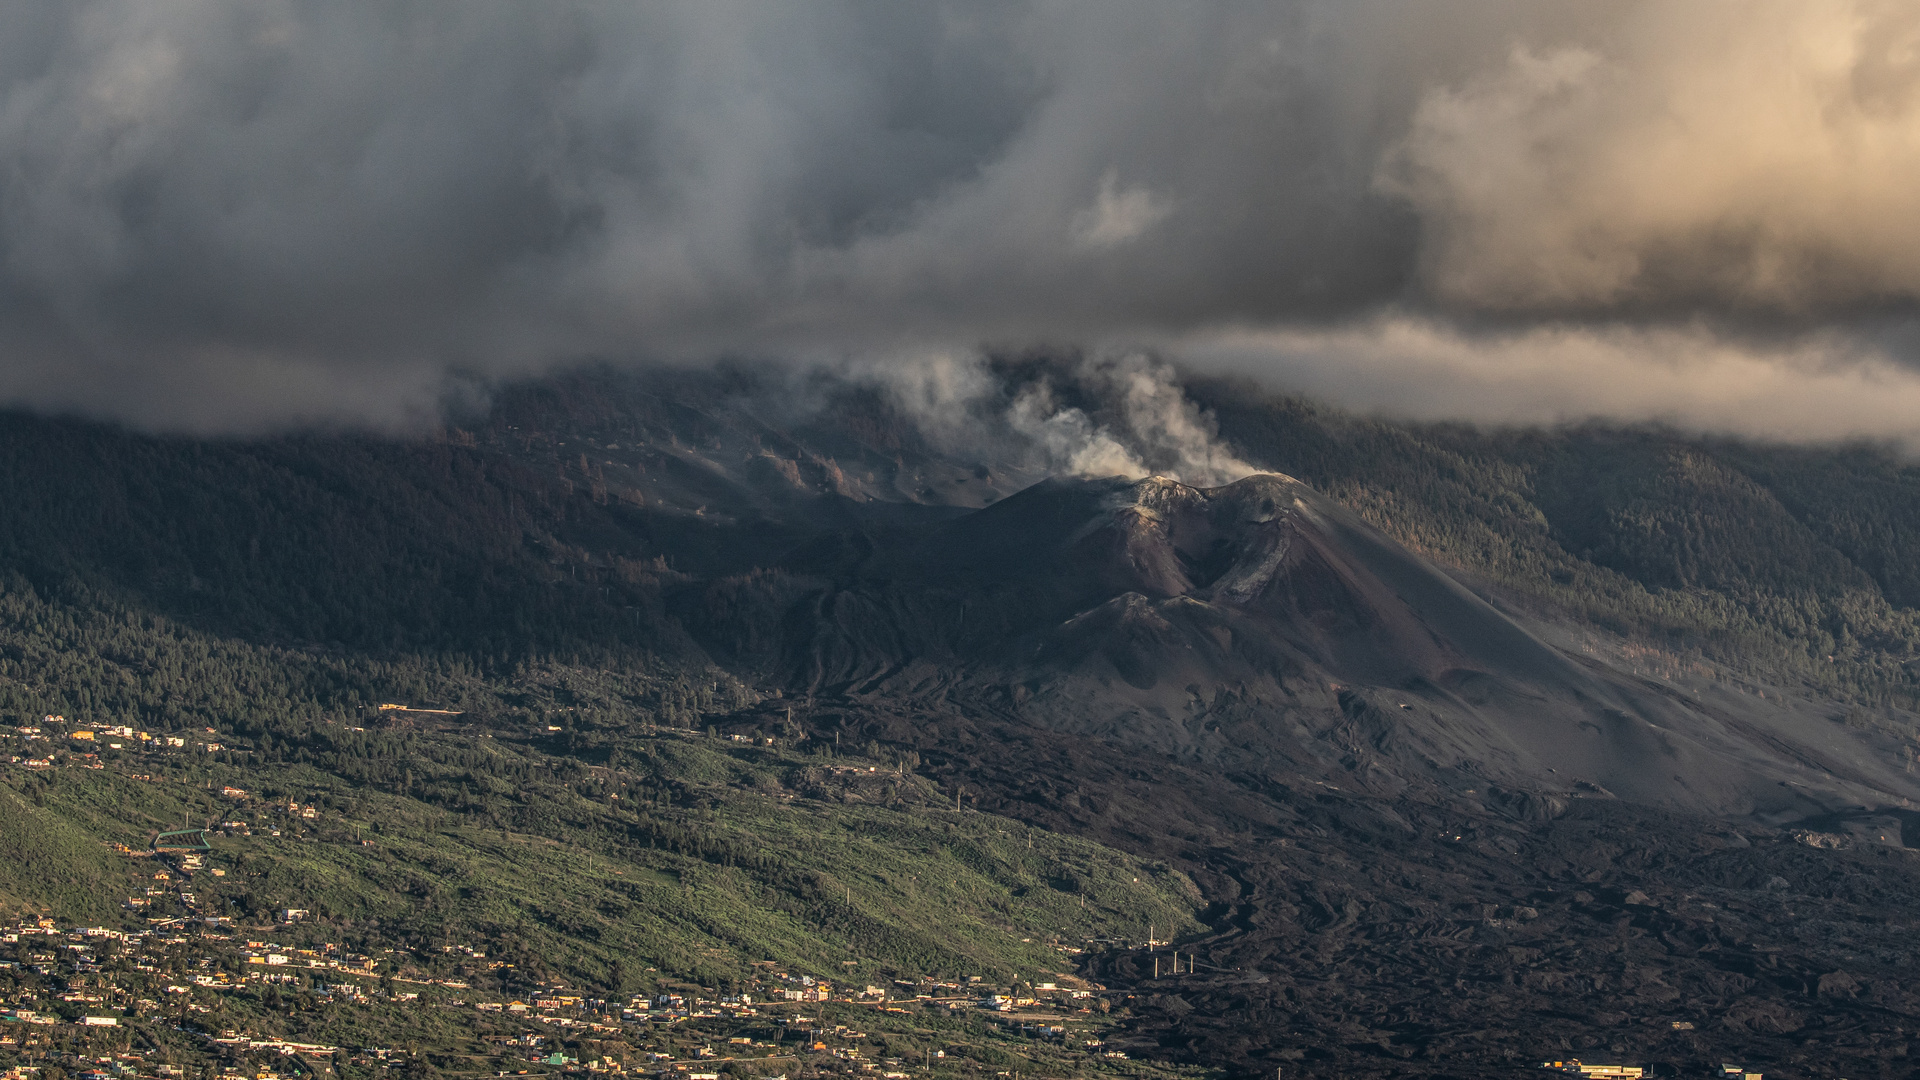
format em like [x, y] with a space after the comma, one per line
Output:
[218, 216]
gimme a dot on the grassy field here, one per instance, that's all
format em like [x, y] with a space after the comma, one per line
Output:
[578, 886]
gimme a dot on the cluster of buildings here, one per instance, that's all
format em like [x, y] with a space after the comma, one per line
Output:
[82, 745]
[48, 950]
[173, 973]
[1576, 1067]
[108, 979]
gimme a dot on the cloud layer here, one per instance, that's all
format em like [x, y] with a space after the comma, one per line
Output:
[225, 217]
[1816, 387]
[1736, 157]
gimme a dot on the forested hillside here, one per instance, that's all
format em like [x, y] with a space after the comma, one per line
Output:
[349, 542]
[1797, 562]
[513, 547]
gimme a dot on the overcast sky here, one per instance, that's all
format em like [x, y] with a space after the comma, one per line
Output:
[227, 216]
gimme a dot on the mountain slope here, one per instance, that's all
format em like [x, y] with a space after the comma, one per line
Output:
[1125, 610]
[1795, 564]
[1376, 715]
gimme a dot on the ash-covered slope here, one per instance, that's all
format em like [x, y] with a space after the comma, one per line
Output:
[1267, 551]
[1262, 624]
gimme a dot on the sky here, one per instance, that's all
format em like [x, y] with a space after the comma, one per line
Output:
[220, 217]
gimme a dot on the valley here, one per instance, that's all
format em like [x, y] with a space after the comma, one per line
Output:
[754, 892]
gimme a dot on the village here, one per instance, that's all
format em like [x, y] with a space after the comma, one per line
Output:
[184, 987]
[82, 745]
[96, 1002]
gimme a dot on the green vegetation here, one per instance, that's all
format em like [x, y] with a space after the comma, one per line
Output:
[50, 863]
[341, 1029]
[706, 855]
[698, 878]
[500, 861]
[576, 819]
[355, 544]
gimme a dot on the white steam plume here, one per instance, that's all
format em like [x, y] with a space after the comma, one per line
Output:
[1133, 420]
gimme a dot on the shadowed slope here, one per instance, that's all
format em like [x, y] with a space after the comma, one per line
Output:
[1237, 623]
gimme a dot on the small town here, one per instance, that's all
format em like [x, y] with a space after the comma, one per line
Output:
[183, 987]
[94, 1002]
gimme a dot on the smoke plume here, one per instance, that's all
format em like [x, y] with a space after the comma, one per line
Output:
[1122, 414]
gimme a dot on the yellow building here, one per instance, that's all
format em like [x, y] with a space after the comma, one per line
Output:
[1600, 1072]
